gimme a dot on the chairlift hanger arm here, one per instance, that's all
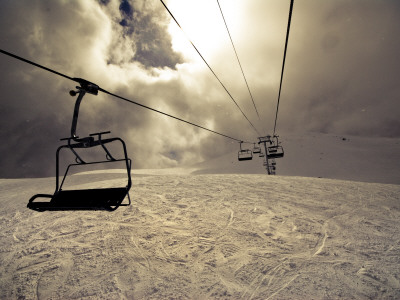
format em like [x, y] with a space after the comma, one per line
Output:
[85, 87]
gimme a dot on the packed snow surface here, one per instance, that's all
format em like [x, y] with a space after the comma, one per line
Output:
[230, 236]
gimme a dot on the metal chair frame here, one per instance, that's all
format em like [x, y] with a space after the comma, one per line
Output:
[87, 199]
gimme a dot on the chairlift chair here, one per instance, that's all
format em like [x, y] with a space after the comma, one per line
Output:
[276, 150]
[264, 139]
[85, 199]
[256, 149]
[244, 154]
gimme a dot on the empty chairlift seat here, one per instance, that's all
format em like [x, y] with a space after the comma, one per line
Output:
[275, 152]
[101, 198]
[256, 149]
[244, 154]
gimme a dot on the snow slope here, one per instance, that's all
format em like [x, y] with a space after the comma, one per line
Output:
[213, 236]
[322, 155]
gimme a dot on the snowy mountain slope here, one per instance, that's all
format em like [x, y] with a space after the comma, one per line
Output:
[205, 237]
[322, 155]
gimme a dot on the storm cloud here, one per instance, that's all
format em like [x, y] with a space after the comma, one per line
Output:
[341, 76]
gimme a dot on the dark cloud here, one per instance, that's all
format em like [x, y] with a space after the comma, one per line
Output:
[153, 49]
[126, 9]
[145, 29]
[341, 69]
[330, 41]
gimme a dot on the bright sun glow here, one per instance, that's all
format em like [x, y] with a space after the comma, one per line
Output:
[202, 23]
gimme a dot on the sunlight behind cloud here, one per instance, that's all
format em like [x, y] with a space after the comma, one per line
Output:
[202, 23]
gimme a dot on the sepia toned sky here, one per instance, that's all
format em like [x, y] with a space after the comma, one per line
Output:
[341, 74]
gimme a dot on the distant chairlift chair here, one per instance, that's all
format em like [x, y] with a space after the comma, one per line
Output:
[85, 199]
[276, 150]
[256, 149]
[244, 154]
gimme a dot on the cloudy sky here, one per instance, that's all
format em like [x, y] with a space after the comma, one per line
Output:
[341, 75]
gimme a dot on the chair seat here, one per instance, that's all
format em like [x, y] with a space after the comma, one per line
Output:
[89, 199]
[275, 155]
[245, 158]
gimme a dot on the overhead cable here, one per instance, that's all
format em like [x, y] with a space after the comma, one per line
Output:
[35, 64]
[198, 52]
[114, 95]
[237, 56]
[283, 64]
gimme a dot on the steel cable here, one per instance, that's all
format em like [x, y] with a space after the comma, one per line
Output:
[117, 96]
[283, 64]
[237, 57]
[229, 94]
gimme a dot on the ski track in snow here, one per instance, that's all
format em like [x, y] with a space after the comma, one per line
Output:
[206, 237]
